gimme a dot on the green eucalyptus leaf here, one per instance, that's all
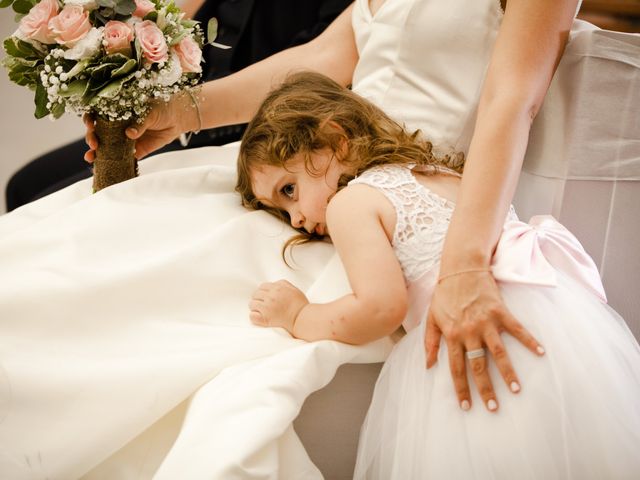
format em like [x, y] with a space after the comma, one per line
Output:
[152, 15]
[125, 7]
[220, 46]
[212, 29]
[107, 3]
[178, 38]
[77, 68]
[102, 71]
[117, 58]
[22, 6]
[111, 90]
[41, 100]
[5, 3]
[188, 23]
[138, 49]
[57, 109]
[75, 88]
[124, 69]
[21, 49]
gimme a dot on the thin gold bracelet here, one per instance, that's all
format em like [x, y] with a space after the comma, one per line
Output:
[462, 272]
[185, 138]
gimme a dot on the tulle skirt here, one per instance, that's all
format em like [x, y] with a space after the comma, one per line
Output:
[576, 417]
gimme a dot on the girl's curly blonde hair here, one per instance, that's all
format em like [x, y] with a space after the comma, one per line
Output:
[311, 112]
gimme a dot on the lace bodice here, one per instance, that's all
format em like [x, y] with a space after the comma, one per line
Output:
[422, 217]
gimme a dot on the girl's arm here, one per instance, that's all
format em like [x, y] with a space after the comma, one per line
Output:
[467, 308]
[378, 304]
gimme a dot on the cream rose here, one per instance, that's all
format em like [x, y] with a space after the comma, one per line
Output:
[87, 47]
[70, 25]
[154, 46]
[189, 54]
[143, 7]
[117, 37]
[35, 25]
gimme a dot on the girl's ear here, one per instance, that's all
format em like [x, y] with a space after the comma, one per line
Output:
[343, 145]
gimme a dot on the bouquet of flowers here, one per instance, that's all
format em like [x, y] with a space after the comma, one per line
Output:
[107, 58]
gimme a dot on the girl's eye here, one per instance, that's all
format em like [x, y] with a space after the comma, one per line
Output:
[288, 190]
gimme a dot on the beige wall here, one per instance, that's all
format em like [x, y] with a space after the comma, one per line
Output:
[22, 137]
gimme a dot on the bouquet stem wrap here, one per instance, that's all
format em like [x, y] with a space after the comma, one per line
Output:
[115, 161]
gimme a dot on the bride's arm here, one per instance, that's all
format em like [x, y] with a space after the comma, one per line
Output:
[467, 308]
[235, 98]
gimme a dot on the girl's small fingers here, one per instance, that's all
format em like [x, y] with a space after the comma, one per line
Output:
[515, 328]
[256, 318]
[502, 360]
[89, 156]
[459, 374]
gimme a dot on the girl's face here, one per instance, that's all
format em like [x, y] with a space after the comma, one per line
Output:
[302, 195]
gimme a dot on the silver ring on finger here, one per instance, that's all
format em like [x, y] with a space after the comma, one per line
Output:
[477, 353]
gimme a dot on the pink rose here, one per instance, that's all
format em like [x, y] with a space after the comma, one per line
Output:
[143, 7]
[117, 37]
[154, 47]
[35, 25]
[189, 54]
[70, 25]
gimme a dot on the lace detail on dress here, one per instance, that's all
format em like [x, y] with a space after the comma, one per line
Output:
[422, 217]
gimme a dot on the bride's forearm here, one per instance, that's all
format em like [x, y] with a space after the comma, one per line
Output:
[528, 48]
[488, 184]
[235, 99]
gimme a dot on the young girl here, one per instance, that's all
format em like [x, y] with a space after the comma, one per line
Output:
[580, 414]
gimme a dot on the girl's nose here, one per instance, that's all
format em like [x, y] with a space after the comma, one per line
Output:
[297, 220]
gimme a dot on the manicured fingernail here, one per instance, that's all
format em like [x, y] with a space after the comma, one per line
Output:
[492, 405]
[515, 387]
[465, 405]
[540, 350]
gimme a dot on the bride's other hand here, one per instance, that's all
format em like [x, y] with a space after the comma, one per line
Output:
[277, 304]
[164, 123]
[469, 311]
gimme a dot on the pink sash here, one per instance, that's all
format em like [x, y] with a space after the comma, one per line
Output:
[532, 252]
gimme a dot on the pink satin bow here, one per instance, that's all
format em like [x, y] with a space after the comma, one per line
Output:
[532, 252]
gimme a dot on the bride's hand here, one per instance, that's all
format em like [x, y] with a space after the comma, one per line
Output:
[469, 311]
[164, 123]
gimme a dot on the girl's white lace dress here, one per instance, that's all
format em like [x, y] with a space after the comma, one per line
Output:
[578, 413]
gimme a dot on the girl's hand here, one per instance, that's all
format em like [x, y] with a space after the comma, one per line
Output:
[164, 123]
[276, 305]
[468, 310]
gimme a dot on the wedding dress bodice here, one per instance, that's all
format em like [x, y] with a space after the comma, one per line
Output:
[422, 66]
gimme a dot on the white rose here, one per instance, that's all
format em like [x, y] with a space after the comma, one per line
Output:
[171, 73]
[87, 47]
[87, 4]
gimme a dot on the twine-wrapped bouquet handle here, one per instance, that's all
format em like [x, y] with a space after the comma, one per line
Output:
[115, 161]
